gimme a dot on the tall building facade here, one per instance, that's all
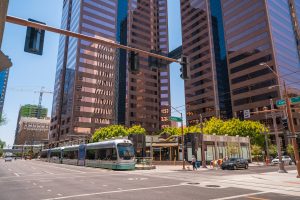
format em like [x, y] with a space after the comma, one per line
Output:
[32, 112]
[262, 31]
[93, 86]
[229, 44]
[143, 96]
[207, 92]
[3, 84]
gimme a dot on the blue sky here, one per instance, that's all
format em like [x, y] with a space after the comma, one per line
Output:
[31, 72]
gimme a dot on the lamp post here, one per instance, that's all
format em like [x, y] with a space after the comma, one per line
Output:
[281, 164]
[182, 137]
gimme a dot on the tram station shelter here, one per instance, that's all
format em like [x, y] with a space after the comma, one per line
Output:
[168, 150]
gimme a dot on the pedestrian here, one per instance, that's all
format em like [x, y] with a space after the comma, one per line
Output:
[194, 162]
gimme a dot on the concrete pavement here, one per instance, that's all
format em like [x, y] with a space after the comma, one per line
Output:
[36, 180]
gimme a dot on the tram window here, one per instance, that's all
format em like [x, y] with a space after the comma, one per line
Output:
[55, 154]
[71, 154]
[126, 151]
[90, 154]
[106, 154]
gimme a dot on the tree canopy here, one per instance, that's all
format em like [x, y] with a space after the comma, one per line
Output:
[116, 131]
[136, 129]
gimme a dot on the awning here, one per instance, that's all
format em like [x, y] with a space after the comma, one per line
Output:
[164, 144]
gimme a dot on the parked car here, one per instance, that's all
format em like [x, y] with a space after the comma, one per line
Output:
[234, 163]
[285, 159]
[8, 159]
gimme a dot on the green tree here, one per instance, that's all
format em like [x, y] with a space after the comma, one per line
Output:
[234, 127]
[256, 151]
[109, 132]
[2, 145]
[170, 131]
[232, 149]
[212, 126]
[290, 150]
[137, 129]
[273, 150]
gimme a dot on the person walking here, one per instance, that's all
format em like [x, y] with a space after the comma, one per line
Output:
[194, 162]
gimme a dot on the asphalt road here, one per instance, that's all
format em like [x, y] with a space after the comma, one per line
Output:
[36, 180]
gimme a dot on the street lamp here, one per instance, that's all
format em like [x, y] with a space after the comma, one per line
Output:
[281, 164]
[182, 137]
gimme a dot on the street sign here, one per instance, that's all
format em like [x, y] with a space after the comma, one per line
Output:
[176, 119]
[247, 114]
[295, 100]
[280, 102]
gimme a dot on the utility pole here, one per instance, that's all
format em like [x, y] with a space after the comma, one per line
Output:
[267, 146]
[202, 143]
[281, 164]
[292, 129]
[182, 142]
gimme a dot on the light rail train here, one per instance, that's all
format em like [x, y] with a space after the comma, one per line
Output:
[113, 154]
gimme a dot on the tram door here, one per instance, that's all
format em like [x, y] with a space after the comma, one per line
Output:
[81, 155]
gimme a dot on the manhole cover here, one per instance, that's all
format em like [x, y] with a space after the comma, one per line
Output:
[213, 186]
[193, 183]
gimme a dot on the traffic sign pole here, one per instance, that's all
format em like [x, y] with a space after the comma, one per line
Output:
[292, 130]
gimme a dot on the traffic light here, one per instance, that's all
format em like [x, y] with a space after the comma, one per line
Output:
[34, 41]
[185, 68]
[134, 61]
[285, 123]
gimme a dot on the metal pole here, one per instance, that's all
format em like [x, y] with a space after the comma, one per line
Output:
[98, 40]
[182, 143]
[267, 146]
[281, 164]
[202, 144]
[292, 129]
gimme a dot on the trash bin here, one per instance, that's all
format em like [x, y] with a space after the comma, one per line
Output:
[198, 164]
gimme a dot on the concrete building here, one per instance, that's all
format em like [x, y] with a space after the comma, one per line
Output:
[207, 92]
[93, 86]
[30, 111]
[32, 131]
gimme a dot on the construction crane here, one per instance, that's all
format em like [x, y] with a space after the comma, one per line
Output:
[42, 92]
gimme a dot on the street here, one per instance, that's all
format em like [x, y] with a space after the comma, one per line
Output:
[36, 180]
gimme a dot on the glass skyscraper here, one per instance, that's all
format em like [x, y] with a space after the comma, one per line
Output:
[3, 84]
[226, 41]
[93, 86]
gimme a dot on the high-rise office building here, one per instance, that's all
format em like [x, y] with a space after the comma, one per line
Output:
[207, 92]
[241, 37]
[3, 84]
[143, 96]
[259, 32]
[93, 86]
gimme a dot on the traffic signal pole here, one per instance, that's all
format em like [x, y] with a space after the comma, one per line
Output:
[281, 164]
[292, 129]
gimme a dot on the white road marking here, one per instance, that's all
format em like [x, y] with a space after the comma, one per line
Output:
[243, 195]
[49, 190]
[59, 194]
[114, 191]
[41, 186]
[72, 170]
[16, 174]
[48, 172]
[34, 183]
[104, 185]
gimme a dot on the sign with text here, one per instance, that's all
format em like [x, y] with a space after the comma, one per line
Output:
[176, 119]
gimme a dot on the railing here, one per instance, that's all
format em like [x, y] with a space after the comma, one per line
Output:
[144, 161]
